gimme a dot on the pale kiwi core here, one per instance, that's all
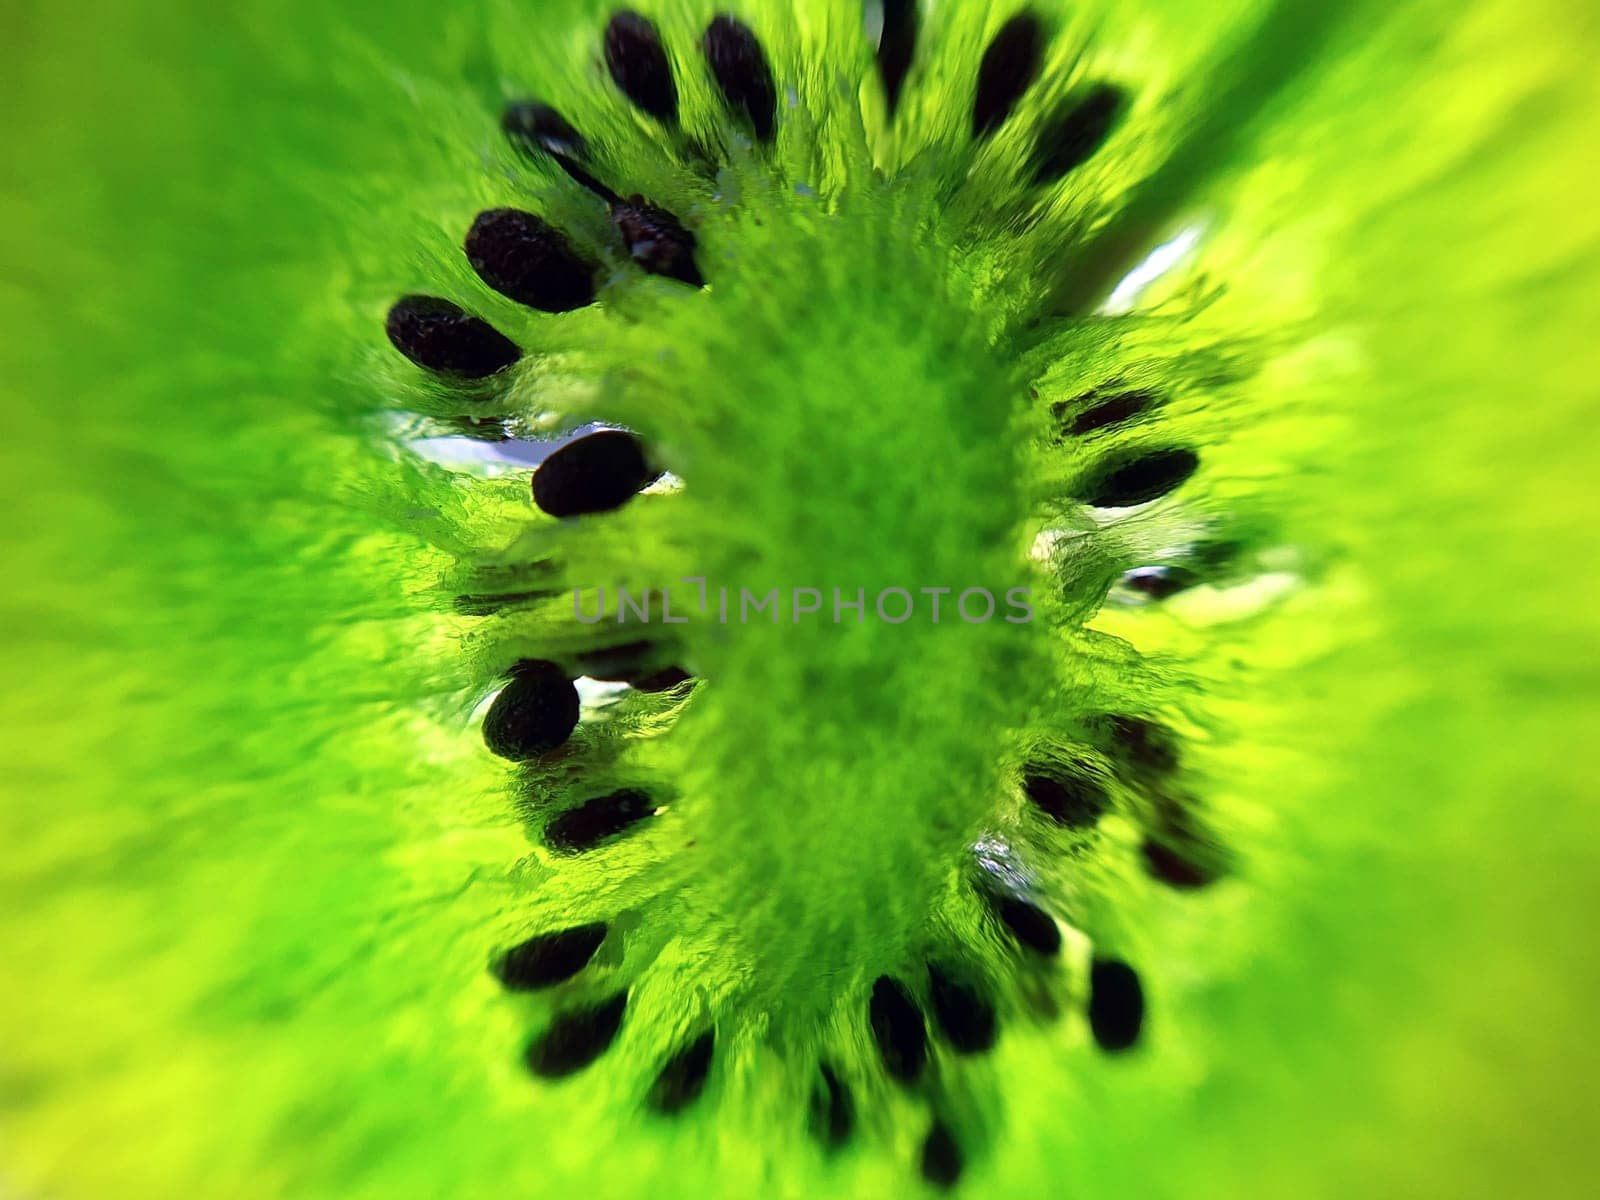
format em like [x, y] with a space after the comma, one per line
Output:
[831, 870]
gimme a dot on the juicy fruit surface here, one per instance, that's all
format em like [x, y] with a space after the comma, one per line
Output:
[261, 864]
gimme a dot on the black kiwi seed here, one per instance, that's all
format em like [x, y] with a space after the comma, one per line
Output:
[898, 1029]
[540, 131]
[528, 260]
[657, 240]
[897, 47]
[1141, 743]
[549, 958]
[742, 72]
[832, 1110]
[440, 336]
[531, 125]
[638, 64]
[1126, 481]
[1071, 137]
[592, 474]
[1167, 864]
[1159, 583]
[1073, 800]
[1010, 66]
[594, 821]
[1029, 924]
[683, 1078]
[575, 1039]
[533, 714]
[965, 1017]
[1116, 1005]
[941, 1157]
[1108, 411]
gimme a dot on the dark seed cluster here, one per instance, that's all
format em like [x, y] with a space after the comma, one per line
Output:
[657, 241]
[1010, 66]
[524, 258]
[575, 1037]
[1176, 849]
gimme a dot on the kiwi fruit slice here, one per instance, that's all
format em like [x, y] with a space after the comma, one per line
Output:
[1252, 854]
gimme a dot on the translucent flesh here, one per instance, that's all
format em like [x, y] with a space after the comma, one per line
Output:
[258, 858]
